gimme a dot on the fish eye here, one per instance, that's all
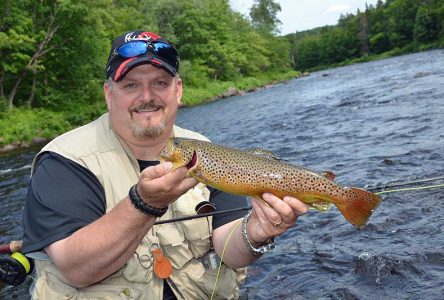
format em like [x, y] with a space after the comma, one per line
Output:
[176, 142]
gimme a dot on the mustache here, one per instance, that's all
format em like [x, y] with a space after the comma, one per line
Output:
[151, 105]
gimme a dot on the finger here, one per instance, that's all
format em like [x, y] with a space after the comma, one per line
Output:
[161, 175]
[257, 208]
[299, 207]
[160, 184]
[187, 183]
[280, 211]
[262, 228]
[266, 215]
[157, 171]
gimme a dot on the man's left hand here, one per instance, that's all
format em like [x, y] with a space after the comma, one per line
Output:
[268, 221]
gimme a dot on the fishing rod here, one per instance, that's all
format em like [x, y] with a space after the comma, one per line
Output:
[15, 267]
[203, 215]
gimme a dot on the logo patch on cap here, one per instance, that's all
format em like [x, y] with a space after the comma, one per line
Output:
[143, 36]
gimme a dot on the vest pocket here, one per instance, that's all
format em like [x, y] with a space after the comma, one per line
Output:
[197, 232]
[110, 292]
[227, 286]
[174, 245]
[50, 286]
[140, 267]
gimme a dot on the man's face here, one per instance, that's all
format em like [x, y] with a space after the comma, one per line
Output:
[143, 105]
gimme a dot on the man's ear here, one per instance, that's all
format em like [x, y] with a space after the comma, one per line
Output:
[179, 91]
[107, 93]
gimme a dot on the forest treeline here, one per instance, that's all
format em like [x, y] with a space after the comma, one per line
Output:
[393, 26]
[53, 52]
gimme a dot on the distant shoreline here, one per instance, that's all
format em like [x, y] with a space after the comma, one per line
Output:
[230, 92]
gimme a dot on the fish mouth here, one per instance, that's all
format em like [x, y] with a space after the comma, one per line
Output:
[193, 162]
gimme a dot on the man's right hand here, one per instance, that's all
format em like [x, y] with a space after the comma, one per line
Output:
[159, 187]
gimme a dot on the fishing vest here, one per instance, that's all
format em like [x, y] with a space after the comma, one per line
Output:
[96, 147]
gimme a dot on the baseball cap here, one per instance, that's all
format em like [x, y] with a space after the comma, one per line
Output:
[135, 48]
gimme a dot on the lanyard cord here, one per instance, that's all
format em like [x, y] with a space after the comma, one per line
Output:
[222, 257]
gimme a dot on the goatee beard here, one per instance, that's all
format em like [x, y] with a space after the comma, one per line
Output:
[148, 131]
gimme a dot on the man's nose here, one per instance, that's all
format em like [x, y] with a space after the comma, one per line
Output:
[146, 94]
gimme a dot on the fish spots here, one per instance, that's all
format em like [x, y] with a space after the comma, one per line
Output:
[241, 172]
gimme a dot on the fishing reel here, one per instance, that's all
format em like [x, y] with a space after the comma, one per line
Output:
[14, 267]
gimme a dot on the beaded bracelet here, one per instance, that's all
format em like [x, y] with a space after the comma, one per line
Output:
[142, 206]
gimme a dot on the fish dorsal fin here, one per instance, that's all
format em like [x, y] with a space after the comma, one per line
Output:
[264, 153]
[329, 175]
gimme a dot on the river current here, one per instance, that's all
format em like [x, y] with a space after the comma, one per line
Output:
[372, 124]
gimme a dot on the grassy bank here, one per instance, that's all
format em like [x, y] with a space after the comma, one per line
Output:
[22, 125]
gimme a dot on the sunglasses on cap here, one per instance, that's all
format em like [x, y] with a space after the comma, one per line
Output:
[162, 50]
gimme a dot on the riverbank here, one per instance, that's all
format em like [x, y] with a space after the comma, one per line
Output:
[24, 127]
[374, 57]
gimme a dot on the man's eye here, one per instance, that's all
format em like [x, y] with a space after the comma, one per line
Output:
[160, 83]
[130, 85]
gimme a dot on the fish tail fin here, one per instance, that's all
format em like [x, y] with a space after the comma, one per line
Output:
[358, 206]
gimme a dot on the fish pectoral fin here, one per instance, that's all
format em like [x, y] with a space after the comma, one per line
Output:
[264, 153]
[321, 205]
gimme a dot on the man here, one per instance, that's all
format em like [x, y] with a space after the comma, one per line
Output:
[97, 191]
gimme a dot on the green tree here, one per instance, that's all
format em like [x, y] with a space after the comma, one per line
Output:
[378, 34]
[263, 16]
[426, 25]
[401, 15]
[307, 53]
[49, 50]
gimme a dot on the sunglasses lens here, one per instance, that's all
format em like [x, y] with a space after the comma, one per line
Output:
[132, 49]
[162, 50]
[167, 53]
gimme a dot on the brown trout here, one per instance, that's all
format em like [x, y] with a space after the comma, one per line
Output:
[254, 173]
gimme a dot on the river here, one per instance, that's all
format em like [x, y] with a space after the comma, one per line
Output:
[371, 124]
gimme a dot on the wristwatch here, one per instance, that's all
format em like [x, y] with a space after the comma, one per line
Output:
[259, 250]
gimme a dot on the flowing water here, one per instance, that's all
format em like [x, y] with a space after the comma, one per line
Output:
[372, 124]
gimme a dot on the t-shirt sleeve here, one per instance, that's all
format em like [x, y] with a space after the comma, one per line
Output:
[63, 197]
[225, 201]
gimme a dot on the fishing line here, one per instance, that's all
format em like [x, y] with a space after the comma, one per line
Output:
[391, 185]
[222, 257]
[427, 187]
[220, 212]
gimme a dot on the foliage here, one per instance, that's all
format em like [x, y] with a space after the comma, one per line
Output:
[25, 124]
[53, 54]
[194, 95]
[395, 26]
[263, 15]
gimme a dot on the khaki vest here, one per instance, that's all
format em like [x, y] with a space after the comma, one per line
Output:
[96, 147]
